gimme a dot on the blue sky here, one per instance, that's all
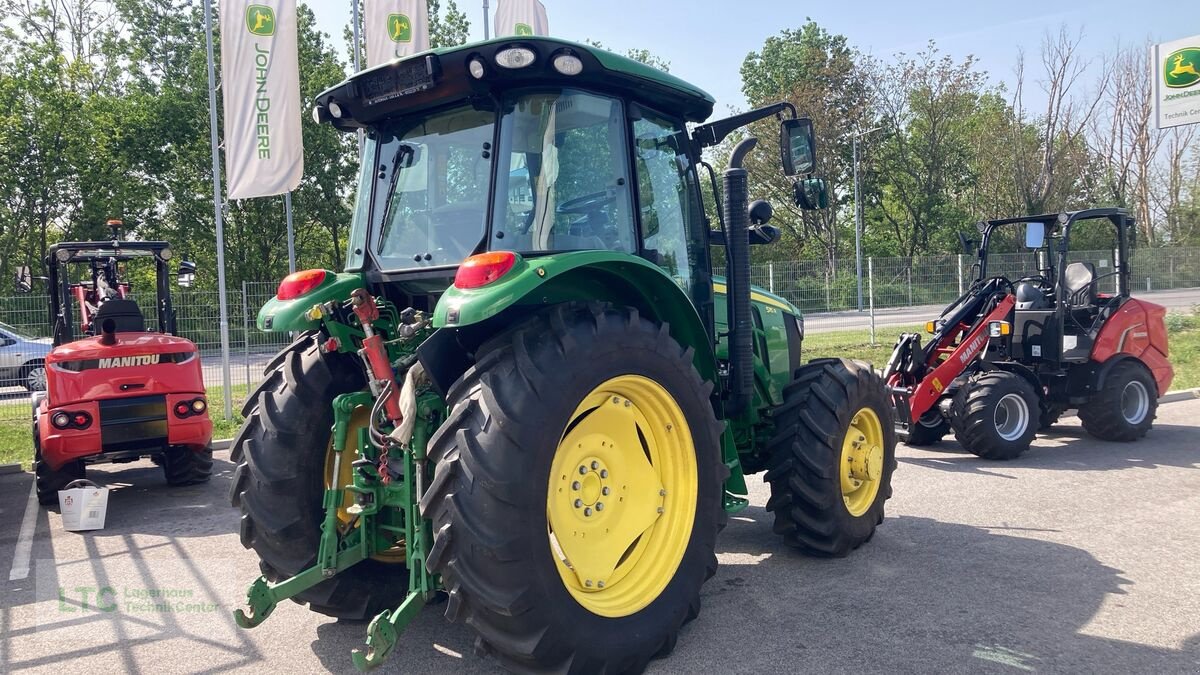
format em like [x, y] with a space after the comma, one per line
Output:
[706, 42]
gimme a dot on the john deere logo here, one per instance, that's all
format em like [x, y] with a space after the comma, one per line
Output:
[1179, 71]
[523, 29]
[399, 28]
[260, 20]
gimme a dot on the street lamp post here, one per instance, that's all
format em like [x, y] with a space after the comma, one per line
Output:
[858, 256]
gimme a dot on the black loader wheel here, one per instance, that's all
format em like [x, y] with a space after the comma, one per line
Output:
[279, 482]
[1050, 414]
[578, 492]
[995, 415]
[929, 430]
[184, 466]
[831, 457]
[49, 481]
[1125, 408]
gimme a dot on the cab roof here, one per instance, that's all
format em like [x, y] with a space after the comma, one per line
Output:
[440, 76]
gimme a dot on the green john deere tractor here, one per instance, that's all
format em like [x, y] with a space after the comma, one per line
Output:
[527, 393]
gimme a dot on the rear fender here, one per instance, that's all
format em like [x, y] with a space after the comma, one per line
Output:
[1136, 330]
[282, 316]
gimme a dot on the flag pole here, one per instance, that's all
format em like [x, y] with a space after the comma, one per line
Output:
[287, 206]
[216, 171]
[486, 20]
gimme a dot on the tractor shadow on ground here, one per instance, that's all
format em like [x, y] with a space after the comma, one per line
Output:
[921, 592]
[1070, 448]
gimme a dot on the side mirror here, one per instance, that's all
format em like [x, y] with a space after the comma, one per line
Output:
[187, 274]
[798, 145]
[24, 279]
[763, 234]
[968, 245]
[1035, 235]
[811, 193]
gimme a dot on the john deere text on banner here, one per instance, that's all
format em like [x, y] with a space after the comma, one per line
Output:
[264, 153]
[521, 17]
[1175, 71]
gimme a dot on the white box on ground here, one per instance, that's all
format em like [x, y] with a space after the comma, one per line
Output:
[83, 505]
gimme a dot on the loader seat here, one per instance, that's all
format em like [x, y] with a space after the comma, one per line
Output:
[125, 314]
[1080, 276]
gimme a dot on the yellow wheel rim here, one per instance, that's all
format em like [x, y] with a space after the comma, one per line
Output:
[358, 420]
[622, 496]
[861, 467]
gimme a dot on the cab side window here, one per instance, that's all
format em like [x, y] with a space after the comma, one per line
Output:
[668, 206]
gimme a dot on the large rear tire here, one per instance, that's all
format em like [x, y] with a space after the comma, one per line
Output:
[578, 405]
[1125, 408]
[995, 415]
[929, 430]
[279, 482]
[831, 458]
[49, 481]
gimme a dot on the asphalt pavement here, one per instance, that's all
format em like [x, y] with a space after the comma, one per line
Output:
[1079, 557]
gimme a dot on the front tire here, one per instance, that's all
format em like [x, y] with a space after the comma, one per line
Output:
[1125, 408]
[995, 415]
[49, 481]
[279, 482]
[185, 466]
[929, 430]
[831, 458]
[577, 405]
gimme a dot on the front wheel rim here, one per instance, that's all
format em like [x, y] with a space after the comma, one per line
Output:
[1011, 417]
[1135, 402]
[862, 461]
[622, 496]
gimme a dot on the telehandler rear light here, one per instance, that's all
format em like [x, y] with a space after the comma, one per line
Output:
[61, 420]
[999, 328]
[297, 284]
[71, 420]
[483, 269]
[196, 406]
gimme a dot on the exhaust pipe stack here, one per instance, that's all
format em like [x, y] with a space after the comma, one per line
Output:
[736, 184]
[108, 332]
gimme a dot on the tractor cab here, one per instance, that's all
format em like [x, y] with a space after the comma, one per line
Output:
[1060, 302]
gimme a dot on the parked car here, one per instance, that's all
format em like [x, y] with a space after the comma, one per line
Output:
[22, 359]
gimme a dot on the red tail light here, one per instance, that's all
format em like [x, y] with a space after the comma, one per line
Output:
[297, 284]
[483, 269]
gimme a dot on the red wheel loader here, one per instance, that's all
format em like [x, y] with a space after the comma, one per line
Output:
[116, 390]
[1012, 354]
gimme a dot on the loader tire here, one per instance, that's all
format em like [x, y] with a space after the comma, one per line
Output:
[1124, 409]
[279, 481]
[586, 400]
[49, 481]
[995, 415]
[831, 457]
[185, 466]
[926, 431]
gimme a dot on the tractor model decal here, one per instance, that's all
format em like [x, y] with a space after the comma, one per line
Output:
[972, 350]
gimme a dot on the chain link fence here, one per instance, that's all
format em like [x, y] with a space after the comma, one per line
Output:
[895, 291]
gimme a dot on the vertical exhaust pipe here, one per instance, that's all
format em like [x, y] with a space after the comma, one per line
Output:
[108, 332]
[736, 184]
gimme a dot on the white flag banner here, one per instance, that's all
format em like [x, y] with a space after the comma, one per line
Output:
[1175, 71]
[521, 17]
[395, 28]
[260, 79]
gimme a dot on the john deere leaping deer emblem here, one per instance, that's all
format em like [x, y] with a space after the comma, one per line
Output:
[1179, 71]
[260, 20]
[399, 28]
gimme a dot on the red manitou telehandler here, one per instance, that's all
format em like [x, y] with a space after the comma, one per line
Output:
[116, 390]
[1012, 354]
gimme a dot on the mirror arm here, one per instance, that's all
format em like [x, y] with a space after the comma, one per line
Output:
[708, 135]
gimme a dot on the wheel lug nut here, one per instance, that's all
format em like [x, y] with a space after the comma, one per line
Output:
[588, 583]
[578, 503]
[575, 485]
[662, 493]
[603, 473]
[661, 510]
[582, 470]
[628, 403]
[599, 506]
[616, 400]
[595, 464]
[604, 491]
[599, 584]
[587, 511]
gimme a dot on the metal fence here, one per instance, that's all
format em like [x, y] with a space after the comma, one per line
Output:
[895, 291]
